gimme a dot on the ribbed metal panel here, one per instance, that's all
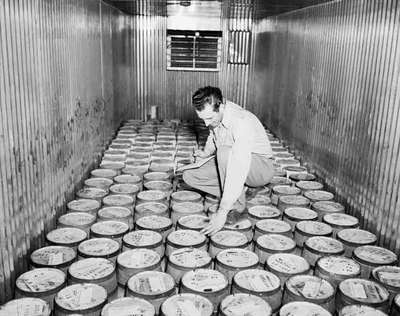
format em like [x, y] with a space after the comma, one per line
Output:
[56, 114]
[327, 82]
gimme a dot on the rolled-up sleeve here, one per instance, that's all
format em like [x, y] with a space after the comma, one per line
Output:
[238, 164]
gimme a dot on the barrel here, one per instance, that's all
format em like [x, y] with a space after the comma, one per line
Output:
[231, 261]
[151, 208]
[186, 304]
[121, 200]
[308, 288]
[116, 213]
[389, 277]
[272, 226]
[185, 238]
[185, 208]
[186, 259]
[294, 170]
[353, 238]
[98, 271]
[134, 261]
[77, 220]
[112, 154]
[193, 222]
[164, 165]
[361, 291]
[340, 221]
[370, 257]
[294, 215]
[129, 179]
[306, 229]
[186, 196]
[282, 190]
[109, 229]
[208, 283]
[259, 283]
[68, 236]
[276, 180]
[58, 257]
[84, 206]
[101, 183]
[113, 165]
[163, 186]
[305, 186]
[360, 310]
[26, 306]
[244, 304]
[210, 200]
[226, 240]
[327, 207]
[285, 265]
[151, 196]
[41, 283]
[156, 176]
[302, 309]
[260, 212]
[136, 168]
[267, 245]
[318, 195]
[159, 224]
[287, 201]
[128, 306]
[85, 299]
[259, 199]
[143, 239]
[99, 248]
[300, 176]
[335, 269]
[319, 246]
[243, 226]
[125, 189]
[103, 173]
[152, 286]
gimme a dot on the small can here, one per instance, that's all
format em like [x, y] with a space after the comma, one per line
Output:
[243, 226]
[109, 229]
[159, 224]
[267, 245]
[226, 240]
[59, 257]
[302, 309]
[272, 226]
[360, 310]
[101, 183]
[317, 247]
[353, 238]
[151, 208]
[335, 269]
[128, 306]
[186, 304]
[153, 286]
[340, 221]
[26, 306]
[185, 208]
[370, 257]
[327, 207]
[244, 304]
[68, 236]
[147, 239]
[103, 173]
[287, 201]
[88, 206]
[260, 212]
[77, 220]
[318, 195]
[282, 190]
[116, 213]
[294, 215]
[306, 229]
[193, 222]
[185, 238]
[99, 248]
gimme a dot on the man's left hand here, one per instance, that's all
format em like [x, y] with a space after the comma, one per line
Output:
[217, 222]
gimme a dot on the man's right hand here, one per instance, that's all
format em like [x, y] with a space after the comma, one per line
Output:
[200, 154]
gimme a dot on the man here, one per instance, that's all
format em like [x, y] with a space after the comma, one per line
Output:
[243, 154]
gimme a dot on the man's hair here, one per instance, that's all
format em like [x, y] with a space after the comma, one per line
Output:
[211, 95]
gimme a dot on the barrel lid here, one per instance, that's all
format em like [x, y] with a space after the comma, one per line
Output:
[310, 287]
[273, 226]
[128, 306]
[339, 265]
[364, 291]
[186, 238]
[300, 176]
[324, 245]
[288, 161]
[309, 185]
[79, 297]
[204, 281]
[314, 228]
[156, 175]
[124, 188]
[127, 178]
[26, 306]
[158, 185]
[99, 247]
[228, 238]
[91, 193]
[303, 308]
[294, 200]
[360, 310]
[356, 236]
[190, 258]
[340, 220]
[139, 164]
[373, 255]
[91, 269]
[287, 263]
[53, 255]
[294, 168]
[40, 280]
[276, 180]
[300, 213]
[152, 195]
[118, 200]
[389, 276]
[188, 207]
[142, 238]
[257, 280]
[319, 195]
[135, 169]
[109, 228]
[83, 205]
[285, 190]
[276, 242]
[264, 212]
[237, 258]
[102, 183]
[152, 207]
[328, 207]
[138, 258]
[103, 173]
[67, 235]
[259, 199]
[185, 196]
[195, 221]
[77, 219]
[151, 283]
[245, 304]
[154, 222]
[114, 212]
[283, 155]
[113, 165]
[187, 304]
[242, 225]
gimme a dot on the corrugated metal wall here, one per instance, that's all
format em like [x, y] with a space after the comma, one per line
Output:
[56, 114]
[327, 81]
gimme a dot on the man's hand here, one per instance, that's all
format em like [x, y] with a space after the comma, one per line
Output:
[217, 222]
[200, 154]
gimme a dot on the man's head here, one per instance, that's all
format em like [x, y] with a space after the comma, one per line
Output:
[207, 101]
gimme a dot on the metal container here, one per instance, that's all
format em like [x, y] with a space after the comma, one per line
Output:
[389, 277]
[26, 306]
[244, 304]
[327, 207]
[269, 244]
[370, 257]
[116, 213]
[147, 239]
[340, 221]
[282, 190]
[287, 201]
[77, 220]
[300, 176]
[151, 196]
[306, 229]
[186, 196]
[101, 183]
[103, 173]
[318, 195]
[193, 222]
[121, 200]
[226, 240]
[317, 247]
[294, 215]
[99, 248]
[305, 186]
[114, 230]
[58, 257]
[125, 189]
[84, 206]
[260, 212]
[68, 236]
[302, 309]
[185, 238]
[243, 226]
[151, 208]
[186, 208]
[353, 238]
[129, 179]
[360, 310]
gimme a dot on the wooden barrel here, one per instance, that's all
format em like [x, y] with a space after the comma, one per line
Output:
[318, 195]
[151, 196]
[287, 201]
[302, 309]
[319, 246]
[305, 186]
[327, 207]
[244, 304]
[272, 226]
[26, 306]
[360, 310]
[185, 238]
[156, 176]
[186, 208]
[103, 173]
[129, 179]
[259, 283]
[85, 299]
[389, 277]
[117, 166]
[335, 269]
[276, 180]
[340, 221]
[116, 213]
[162, 185]
[92, 194]
[125, 189]
[193, 222]
[84, 206]
[41, 283]
[186, 196]
[294, 215]
[77, 220]
[121, 200]
[128, 306]
[228, 239]
[370, 257]
[259, 199]
[243, 226]
[114, 230]
[294, 170]
[306, 229]
[353, 238]
[282, 190]
[68, 236]
[147, 239]
[153, 286]
[269, 244]
[151, 208]
[260, 212]
[300, 176]
[186, 304]
[99, 248]
[58, 257]
[159, 224]
[101, 183]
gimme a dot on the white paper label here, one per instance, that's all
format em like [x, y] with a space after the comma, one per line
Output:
[258, 284]
[357, 290]
[188, 308]
[85, 296]
[311, 289]
[56, 258]
[156, 285]
[124, 311]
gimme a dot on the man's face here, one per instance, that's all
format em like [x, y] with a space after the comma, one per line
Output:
[211, 118]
